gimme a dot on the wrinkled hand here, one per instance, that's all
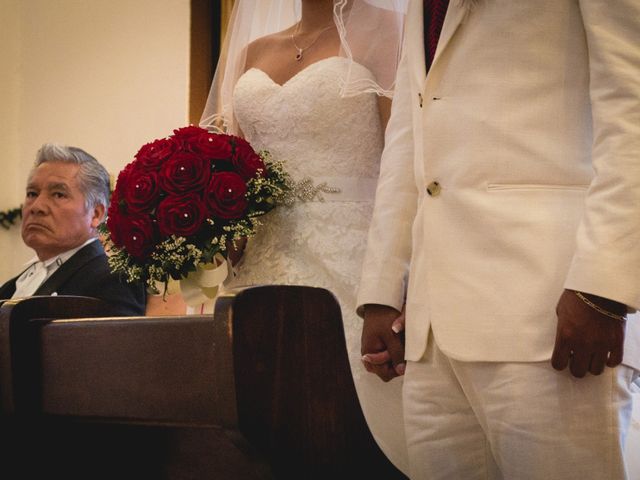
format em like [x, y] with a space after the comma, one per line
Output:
[382, 348]
[587, 340]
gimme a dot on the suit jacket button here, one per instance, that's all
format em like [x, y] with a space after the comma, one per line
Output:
[433, 189]
[420, 99]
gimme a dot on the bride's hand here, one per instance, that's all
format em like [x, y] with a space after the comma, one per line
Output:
[382, 341]
[398, 324]
[235, 250]
[380, 358]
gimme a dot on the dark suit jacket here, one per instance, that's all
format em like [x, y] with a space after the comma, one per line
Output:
[87, 273]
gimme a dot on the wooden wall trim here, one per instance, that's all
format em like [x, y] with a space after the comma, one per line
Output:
[225, 13]
[209, 19]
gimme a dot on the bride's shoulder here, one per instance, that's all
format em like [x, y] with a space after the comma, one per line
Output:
[268, 46]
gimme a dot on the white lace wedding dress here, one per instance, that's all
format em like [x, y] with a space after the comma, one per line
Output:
[321, 243]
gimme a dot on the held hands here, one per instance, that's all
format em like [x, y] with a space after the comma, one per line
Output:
[586, 339]
[383, 341]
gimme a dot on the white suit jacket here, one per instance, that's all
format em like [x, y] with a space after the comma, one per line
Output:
[526, 131]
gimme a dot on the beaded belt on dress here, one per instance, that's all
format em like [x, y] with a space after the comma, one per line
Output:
[336, 189]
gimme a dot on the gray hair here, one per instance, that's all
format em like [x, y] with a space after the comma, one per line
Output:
[93, 178]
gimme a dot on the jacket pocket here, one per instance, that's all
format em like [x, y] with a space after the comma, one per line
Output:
[498, 187]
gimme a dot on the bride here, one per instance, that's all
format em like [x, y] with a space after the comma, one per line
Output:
[310, 82]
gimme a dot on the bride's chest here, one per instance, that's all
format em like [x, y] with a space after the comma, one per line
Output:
[311, 93]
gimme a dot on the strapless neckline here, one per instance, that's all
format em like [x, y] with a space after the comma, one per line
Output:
[306, 70]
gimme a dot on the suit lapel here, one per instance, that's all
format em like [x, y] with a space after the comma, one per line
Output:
[8, 289]
[415, 30]
[415, 50]
[455, 14]
[68, 268]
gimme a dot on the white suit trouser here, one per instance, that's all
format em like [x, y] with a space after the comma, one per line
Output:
[514, 421]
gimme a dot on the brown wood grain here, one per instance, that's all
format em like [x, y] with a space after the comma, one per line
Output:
[296, 397]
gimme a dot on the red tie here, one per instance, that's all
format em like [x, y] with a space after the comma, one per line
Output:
[434, 13]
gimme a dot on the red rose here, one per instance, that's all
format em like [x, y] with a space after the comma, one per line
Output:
[185, 134]
[246, 161]
[211, 145]
[114, 218]
[133, 233]
[152, 155]
[123, 178]
[116, 210]
[181, 215]
[114, 199]
[226, 195]
[184, 172]
[141, 191]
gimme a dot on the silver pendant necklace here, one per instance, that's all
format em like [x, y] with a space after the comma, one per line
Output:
[301, 50]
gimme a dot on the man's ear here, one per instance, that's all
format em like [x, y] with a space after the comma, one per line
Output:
[97, 215]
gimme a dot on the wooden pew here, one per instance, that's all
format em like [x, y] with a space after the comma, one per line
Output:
[261, 389]
[118, 397]
[132, 369]
[295, 393]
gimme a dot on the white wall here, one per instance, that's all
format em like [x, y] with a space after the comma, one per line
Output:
[106, 76]
[11, 192]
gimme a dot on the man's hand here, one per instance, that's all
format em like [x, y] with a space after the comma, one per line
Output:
[382, 348]
[587, 340]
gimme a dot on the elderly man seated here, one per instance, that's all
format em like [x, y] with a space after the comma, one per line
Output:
[66, 199]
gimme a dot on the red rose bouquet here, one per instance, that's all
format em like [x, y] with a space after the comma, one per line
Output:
[184, 200]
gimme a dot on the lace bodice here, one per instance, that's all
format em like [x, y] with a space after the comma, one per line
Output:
[319, 134]
[306, 123]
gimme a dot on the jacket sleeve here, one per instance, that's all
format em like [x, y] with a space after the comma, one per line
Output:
[388, 251]
[607, 256]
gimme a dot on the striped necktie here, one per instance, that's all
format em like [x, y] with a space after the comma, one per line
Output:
[434, 13]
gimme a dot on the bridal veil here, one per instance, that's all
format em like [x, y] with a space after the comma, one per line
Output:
[371, 33]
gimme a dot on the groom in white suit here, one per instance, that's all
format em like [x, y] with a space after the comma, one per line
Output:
[507, 219]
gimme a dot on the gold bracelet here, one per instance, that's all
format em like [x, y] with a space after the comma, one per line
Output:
[599, 309]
